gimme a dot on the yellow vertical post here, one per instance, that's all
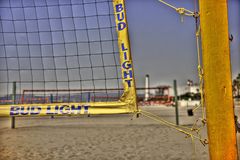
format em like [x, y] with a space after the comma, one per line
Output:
[217, 80]
[129, 95]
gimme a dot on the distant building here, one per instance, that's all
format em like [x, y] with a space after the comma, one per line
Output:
[192, 88]
[162, 91]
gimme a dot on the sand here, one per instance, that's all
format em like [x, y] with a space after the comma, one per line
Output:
[100, 138]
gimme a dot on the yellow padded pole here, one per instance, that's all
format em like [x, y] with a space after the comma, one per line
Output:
[217, 80]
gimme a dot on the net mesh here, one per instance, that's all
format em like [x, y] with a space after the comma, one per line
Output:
[59, 51]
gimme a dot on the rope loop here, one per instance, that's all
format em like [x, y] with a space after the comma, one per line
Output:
[180, 11]
[196, 15]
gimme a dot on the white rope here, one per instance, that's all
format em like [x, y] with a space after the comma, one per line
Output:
[181, 11]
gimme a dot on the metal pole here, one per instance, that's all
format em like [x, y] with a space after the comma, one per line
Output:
[51, 101]
[51, 98]
[176, 101]
[217, 80]
[14, 102]
[89, 100]
[89, 97]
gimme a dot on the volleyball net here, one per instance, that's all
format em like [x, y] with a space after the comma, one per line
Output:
[65, 57]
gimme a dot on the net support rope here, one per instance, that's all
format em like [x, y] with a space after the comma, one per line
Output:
[180, 10]
[194, 132]
[196, 15]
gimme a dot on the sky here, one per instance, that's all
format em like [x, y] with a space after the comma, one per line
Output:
[164, 47]
[53, 43]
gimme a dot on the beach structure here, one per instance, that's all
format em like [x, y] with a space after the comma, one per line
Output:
[155, 95]
[147, 85]
[192, 88]
[159, 95]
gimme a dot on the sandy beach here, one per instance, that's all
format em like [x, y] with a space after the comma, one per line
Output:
[101, 138]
